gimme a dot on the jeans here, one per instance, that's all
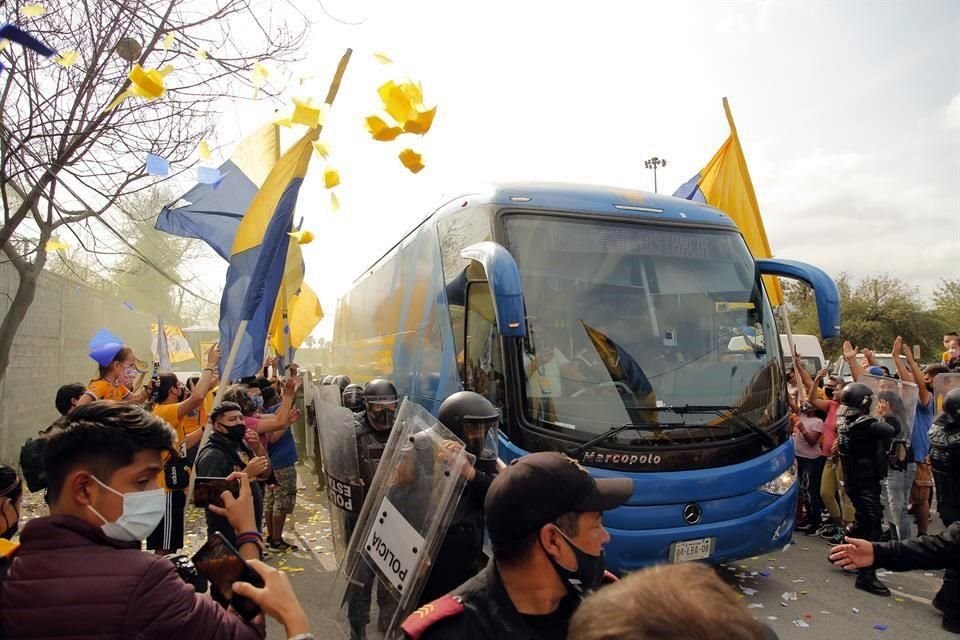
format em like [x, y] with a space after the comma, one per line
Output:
[896, 501]
[811, 470]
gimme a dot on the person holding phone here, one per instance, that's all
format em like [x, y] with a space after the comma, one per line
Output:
[225, 453]
[102, 462]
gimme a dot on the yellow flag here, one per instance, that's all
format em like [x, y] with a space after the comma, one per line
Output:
[726, 185]
[303, 314]
[178, 346]
[55, 245]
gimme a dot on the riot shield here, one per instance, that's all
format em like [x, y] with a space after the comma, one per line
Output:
[338, 449]
[893, 398]
[330, 393]
[401, 525]
[942, 385]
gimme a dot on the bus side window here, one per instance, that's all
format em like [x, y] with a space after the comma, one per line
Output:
[483, 362]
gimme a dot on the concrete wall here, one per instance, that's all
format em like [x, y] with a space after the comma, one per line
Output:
[50, 349]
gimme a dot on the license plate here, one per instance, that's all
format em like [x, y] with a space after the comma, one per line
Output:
[691, 550]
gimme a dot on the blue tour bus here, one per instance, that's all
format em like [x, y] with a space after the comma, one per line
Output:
[614, 325]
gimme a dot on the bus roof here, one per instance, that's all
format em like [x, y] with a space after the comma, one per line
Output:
[577, 198]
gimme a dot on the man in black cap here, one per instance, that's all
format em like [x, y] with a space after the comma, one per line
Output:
[543, 514]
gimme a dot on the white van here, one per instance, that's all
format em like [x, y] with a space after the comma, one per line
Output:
[811, 353]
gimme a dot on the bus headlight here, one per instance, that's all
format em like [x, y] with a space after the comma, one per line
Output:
[782, 483]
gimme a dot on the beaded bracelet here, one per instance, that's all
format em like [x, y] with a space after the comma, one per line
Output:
[249, 536]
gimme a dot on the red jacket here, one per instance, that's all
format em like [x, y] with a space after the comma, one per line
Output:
[69, 581]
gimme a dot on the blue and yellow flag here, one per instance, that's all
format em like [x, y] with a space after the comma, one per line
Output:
[725, 184]
[637, 394]
[212, 212]
[258, 258]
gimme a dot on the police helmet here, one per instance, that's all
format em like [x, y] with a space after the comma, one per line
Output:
[856, 398]
[341, 381]
[473, 419]
[950, 415]
[327, 380]
[380, 397]
[353, 398]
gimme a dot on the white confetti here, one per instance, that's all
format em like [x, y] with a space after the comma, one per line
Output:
[789, 595]
[755, 605]
[748, 591]
[855, 610]
[801, 624]
[771, 617]
[798, 580]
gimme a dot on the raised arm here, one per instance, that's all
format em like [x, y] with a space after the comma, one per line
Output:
[280, 419]
[195, 399]
[923, 395]
[812, 397]
[850, 355]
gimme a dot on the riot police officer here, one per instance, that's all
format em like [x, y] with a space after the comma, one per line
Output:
[945, 462]
[341, 381]
[863, 444]
[353, 398]
[327, 380]
[473, 419]
[373, 431]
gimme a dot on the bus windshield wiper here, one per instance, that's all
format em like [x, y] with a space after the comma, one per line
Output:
[574, 452]
[720, 411]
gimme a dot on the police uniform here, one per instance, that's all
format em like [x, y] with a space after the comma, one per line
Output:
[481, 609]
[863, 443]
[371, 444]
[461, 554]
[945, 463]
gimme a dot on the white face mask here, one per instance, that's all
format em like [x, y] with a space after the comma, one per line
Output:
[142, 512]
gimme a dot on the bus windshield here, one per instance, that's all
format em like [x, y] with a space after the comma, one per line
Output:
[627, 320]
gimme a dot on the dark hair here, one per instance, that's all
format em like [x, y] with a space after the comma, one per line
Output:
[239, 396]
[952, 334]
[10, 485]
[510, 553]
[223, 408]
[123, 354]
[936, 369]
[103, 435]
[192, 382]
[270, 396]
[168, 382]
[686, 600]
[66, 395]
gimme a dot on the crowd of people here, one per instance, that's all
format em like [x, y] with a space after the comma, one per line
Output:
[522, 555]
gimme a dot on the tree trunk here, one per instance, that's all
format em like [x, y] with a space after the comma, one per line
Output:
[26, 290]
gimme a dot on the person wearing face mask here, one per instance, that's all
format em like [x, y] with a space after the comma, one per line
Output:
[225, 453]
[117, 369]
[373, 431]
[174, 407]
[543, 514]
[473, 419]
[102, 464]
[11, 495]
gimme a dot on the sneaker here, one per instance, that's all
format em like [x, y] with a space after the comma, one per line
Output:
[807, 529]
[282, 545]
[814, 529]
[827, 531]
[837, 538]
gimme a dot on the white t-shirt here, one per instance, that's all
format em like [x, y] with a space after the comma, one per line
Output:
[804, 448]
[545, 381]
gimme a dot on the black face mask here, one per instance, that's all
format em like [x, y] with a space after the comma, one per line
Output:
[588, 576]
[235, 432]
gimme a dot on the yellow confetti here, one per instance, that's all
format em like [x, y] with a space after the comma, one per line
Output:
[330, 178]
[380, 130]
[144, 83]
[421, 122]
[56, 245]
[203, 149]
[168, 41]
[302, 237]
[259, 75]
[396, 101]
[284, 121]
[307, 113]
[321, 149]
[411, 160]
[200, 54]
[32, 10]
[67, 59]
[334, 202]
[4, 43]
[382, 58]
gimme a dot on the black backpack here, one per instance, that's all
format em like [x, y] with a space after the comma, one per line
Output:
[31, 463]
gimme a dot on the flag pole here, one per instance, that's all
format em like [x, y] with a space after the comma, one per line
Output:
[285, 339]
[242, 328]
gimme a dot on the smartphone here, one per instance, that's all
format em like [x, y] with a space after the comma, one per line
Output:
[222, 565]
[207, 491]
[155, 383]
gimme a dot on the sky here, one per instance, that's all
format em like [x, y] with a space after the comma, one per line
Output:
[848, 113]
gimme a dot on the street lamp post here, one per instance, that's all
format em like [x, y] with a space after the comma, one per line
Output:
[653, 163]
